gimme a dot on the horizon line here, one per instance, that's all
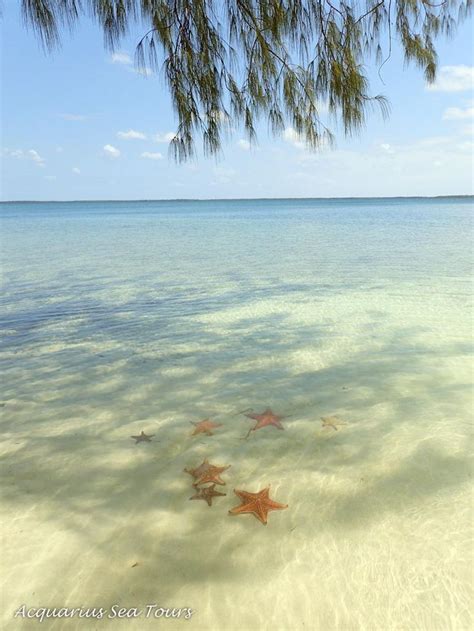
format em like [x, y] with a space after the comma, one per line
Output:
[228, 199]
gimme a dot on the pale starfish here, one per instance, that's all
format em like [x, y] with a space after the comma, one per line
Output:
[267, 417]
[259, 504]
[332, 421]
[205, 427]
[142, 438]
[206, 473]
[207, 493]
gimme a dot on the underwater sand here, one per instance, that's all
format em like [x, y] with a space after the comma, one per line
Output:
[127, 317]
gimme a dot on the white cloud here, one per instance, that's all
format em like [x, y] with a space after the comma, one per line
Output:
[427, 166]
[152, 156]
[468, 130]
[218, 115]
[293, 138]
[223, 175]
[243, 144]
[121, 58]
[124, 59]
[466, 146]
[453, 79]
[73, 117]
[50, 177]
[31, 154]
[76, 171]
[387, 148]
[131, 134]
[165, 138]
[323, 107]
[434, 141]
[457, 114]
[145, 71]
[111, 151]
[37, 159]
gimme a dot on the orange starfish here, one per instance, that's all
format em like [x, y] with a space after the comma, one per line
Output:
[206, 473]
[207, 493]
[267, 417]
[257, 503]
[205, 427]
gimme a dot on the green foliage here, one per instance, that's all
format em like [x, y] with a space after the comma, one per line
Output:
[231, 62]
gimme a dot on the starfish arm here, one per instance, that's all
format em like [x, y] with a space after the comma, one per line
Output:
[252, 507]
[275, 505]
[242, 508]
[245, 495]
[209, 477]
[253, 416]
[261, 512]
[248, 433]
[221, 469]
[202, 496]
[218, 480]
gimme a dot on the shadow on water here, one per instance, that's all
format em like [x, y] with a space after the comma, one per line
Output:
[69, 414]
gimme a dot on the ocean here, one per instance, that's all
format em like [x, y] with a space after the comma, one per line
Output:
[350, 319]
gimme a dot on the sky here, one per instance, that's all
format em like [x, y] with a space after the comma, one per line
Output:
[82, 123]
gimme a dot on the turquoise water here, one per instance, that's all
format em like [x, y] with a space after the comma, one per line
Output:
[122, 317]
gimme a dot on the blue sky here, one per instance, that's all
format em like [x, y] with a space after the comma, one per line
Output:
[81, 123]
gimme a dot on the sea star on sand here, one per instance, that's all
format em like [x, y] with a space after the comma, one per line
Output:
[142, 438]
[205, 427]
[267, 417]
[207, 493]
[257, 503]
[332, 421]
[206, 473]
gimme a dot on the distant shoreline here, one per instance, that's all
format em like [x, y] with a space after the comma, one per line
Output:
[229, 199]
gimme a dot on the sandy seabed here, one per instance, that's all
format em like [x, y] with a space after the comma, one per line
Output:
[377, 534]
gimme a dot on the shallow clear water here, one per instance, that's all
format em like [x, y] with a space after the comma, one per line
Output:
[120, 317]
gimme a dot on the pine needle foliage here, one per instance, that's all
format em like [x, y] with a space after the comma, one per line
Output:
[232, 62]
